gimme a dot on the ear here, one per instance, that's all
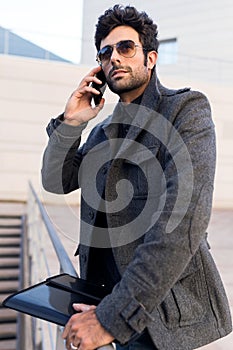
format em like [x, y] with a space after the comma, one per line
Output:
[151, 59]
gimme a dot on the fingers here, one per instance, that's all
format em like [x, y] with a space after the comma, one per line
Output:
[89, 89]
[84, 331]
[79, 108]
[80, 308]
[85, 88]
[70, 334]
[66, 330]
[91, 77]
[99, 106]
[83, 307]
[87, 85]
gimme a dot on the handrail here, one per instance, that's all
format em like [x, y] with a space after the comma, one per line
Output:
[63, 258]
[65, 262]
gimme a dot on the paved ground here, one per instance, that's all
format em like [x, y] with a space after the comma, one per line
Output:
[66, 220]
[221, 241]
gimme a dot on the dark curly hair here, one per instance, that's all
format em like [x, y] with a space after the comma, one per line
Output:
[119, 15]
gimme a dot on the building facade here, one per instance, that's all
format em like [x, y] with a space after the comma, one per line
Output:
[195, 50]
[32, 91]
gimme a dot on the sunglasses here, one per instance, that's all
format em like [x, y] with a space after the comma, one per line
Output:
[125, 48]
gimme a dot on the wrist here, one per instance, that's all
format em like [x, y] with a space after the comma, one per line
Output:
[70, 121]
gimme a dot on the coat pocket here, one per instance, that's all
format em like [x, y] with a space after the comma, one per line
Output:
[186, 302]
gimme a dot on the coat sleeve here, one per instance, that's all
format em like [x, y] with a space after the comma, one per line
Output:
[62, 157]
[163, 256]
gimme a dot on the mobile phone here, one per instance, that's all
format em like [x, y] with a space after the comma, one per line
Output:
[100, 87]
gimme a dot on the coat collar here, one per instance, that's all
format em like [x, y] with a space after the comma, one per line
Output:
[137, 116]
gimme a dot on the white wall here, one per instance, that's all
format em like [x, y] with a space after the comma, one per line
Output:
[204, 35]
[203, 28]
[220, 97]
[32, 91]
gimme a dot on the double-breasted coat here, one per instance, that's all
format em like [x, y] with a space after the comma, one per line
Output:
[155, 185]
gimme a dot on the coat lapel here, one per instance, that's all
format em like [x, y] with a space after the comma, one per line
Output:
[137, 116]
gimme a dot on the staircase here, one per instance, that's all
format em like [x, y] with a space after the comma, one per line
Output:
[10, 261]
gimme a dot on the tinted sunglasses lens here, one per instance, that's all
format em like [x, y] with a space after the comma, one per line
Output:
[105, 53]
[126, 48]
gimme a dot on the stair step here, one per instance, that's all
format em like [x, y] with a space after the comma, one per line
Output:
[10, 233]
[10, 242]
[10, 219]
[9, 262]
[9, 286]
[10, 249]
[9, 274]
[8, 344]
[7, 236]
[8, 315]
[9, 252]
[3, 296]
[8, 331]
[10, 216]
[10, 226]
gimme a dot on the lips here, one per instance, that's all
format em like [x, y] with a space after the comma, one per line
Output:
[118, 72]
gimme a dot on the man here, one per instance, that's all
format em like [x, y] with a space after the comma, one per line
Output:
[146, 175]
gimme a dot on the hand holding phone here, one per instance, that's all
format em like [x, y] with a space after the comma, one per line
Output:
[100, 87]
[79, 108]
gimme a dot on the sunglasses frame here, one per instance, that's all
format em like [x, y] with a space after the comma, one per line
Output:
[117, 48]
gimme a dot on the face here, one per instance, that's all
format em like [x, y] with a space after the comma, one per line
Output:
[127, 76]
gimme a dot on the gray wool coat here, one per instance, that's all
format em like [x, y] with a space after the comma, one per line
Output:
[156, 187]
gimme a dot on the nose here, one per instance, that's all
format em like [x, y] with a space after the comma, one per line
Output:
[115, 57]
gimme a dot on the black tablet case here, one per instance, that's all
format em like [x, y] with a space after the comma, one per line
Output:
[52, 299]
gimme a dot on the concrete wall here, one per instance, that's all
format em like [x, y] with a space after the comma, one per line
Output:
[33, 91]
[203, 28]
[220, 97]
[204, 35]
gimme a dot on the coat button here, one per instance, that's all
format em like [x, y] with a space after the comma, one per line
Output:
[91, 215]
[104, 170]
[141, 324]
[83, 258]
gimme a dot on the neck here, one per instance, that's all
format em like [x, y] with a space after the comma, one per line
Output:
[129, 96]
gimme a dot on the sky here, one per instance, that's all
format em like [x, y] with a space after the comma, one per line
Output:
[52, 24]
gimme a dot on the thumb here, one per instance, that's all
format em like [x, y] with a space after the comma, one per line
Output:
[83, 307]
[100, 105]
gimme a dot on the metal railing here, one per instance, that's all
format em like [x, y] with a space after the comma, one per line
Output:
[47, 257]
